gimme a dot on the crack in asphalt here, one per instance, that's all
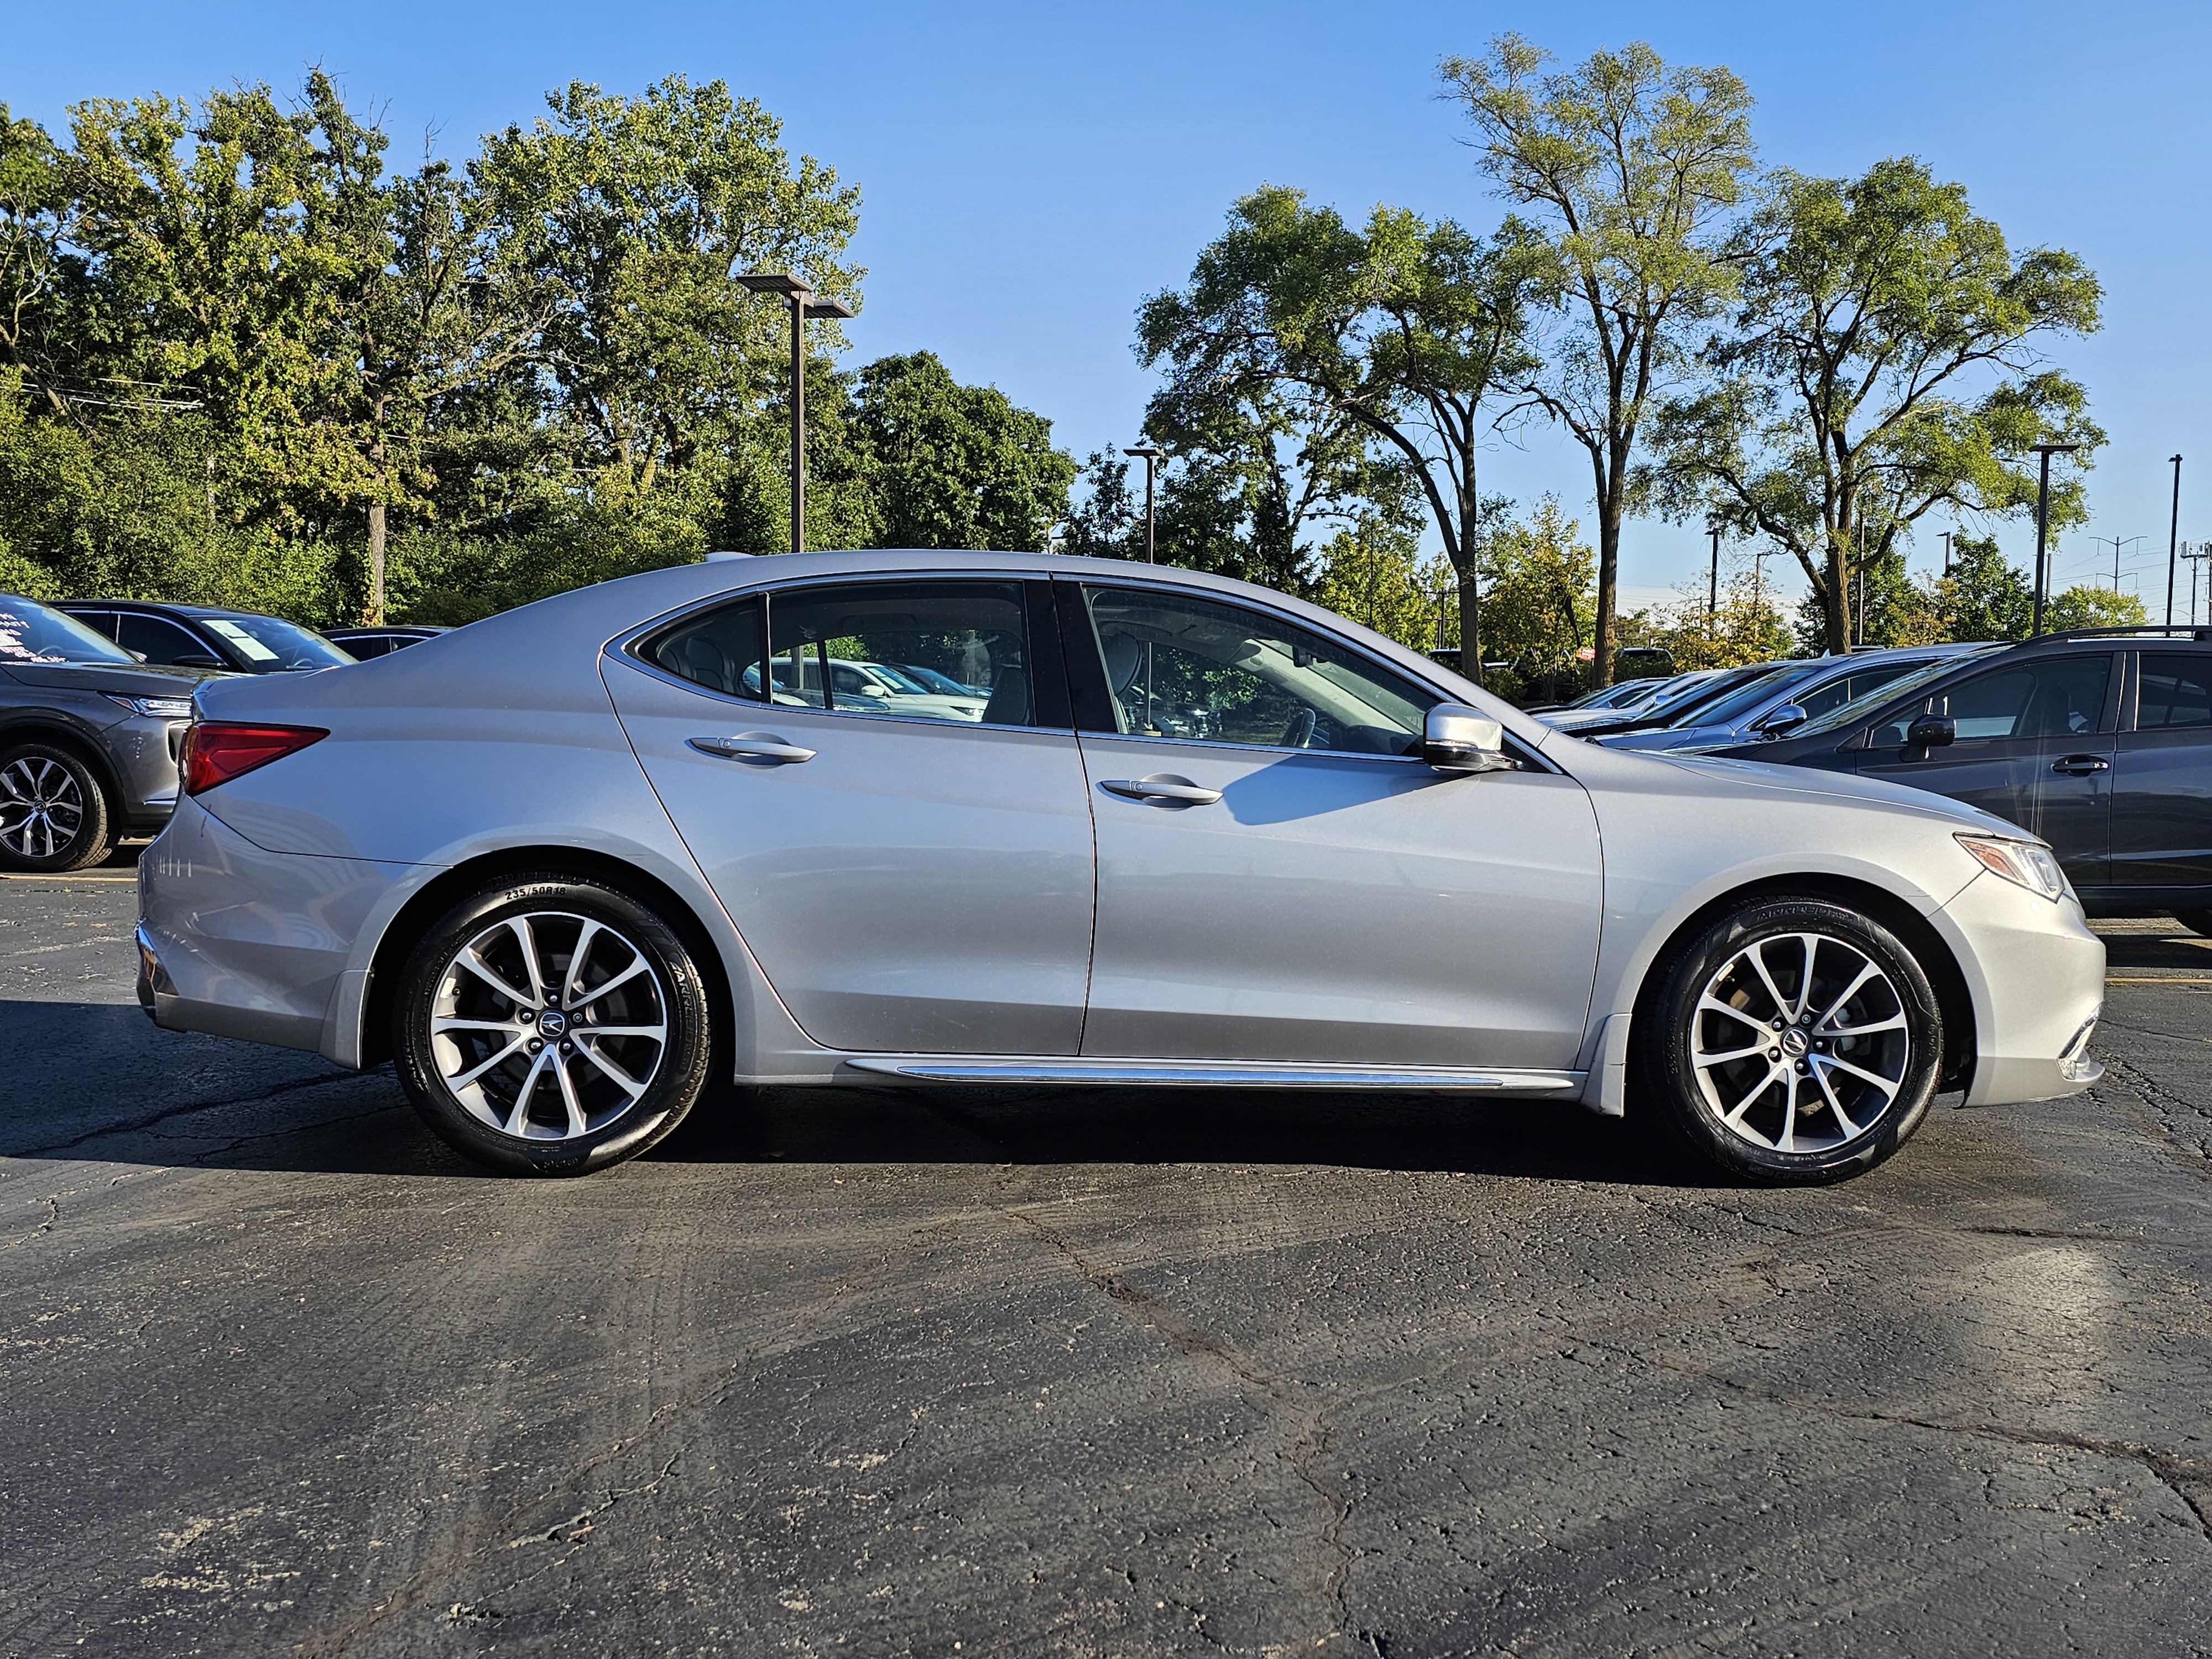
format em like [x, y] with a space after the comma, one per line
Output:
[53, 1216]
[138, 1125]
[2177, 1475]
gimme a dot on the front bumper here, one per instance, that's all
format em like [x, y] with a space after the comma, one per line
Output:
[2037, 974]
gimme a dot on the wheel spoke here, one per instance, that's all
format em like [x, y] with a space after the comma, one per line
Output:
[592, 930]
[1787, 1140]
[1888, 1088]
[1734, 1054]
[1866, 973]
[1711, 1004]
[519, 926]
[1811, 944]
[1894, 1023]
[599, 991]
[1756, 956]
[1836, 1105]
[470, 1076]
[444, 1023]
[621, 1080]
[578, 1124]
[516, 1117]
[491, 977]
[1735, 1119]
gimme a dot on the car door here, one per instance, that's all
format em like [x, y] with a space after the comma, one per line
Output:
[2163, 775]
[2033, 747]
[1279, 879]
[909, 883]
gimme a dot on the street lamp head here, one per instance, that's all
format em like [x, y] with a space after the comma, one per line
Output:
[775, 282]
[2054, 449]
[1146, 452]
[827, 308]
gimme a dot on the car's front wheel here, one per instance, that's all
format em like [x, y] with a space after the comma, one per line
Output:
[54, 815]
[551, 1024]
[1795, 1042]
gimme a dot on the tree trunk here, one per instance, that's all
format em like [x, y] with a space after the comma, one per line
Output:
[375, 611]
[1610, 502]
[1470, 627]
[1836, 603]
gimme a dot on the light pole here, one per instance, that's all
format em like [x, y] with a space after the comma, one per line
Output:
[803, 306]
[1151, 454]
[1946, 552]
[2174, 542]
[2043, 523]
[1713, 581]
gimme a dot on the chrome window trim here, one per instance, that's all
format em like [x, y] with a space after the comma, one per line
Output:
[625, 646]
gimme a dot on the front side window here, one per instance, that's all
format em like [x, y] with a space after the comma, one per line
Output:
[2060, 698]
[1848, 687]
[2177, 692]
[923, 650]
[161, 640]
[1178, 665]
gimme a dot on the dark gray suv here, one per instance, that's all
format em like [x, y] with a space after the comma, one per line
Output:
[89, 739]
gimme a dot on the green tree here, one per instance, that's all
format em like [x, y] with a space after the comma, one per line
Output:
[953, 465]
[1634, 169]
[1746, 625]
[1983, 598]
[1402, 331]
[2095, 607]
[1541, 601]
[1844, 404]
[1373, 572]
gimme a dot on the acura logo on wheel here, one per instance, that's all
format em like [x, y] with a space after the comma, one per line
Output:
[1794, 1043]
[552, 1023]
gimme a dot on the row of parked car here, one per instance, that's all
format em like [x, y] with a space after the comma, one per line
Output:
[2098, 740]
[96, 695]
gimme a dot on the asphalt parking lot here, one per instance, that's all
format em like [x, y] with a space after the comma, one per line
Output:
[1081, 1373]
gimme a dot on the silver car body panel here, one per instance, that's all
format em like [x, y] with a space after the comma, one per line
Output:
[1531, 906]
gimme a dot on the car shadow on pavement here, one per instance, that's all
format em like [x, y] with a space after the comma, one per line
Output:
[2179, 951]
[98, 1082]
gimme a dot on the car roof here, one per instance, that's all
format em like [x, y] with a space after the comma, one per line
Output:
[168, 607]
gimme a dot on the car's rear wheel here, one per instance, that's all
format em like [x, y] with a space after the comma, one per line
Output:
[2197, 921]
[1795, 1042]
[54, 813]
[551, 1024]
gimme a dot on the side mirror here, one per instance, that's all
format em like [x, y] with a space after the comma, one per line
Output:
[136, 656]
[1456, 738]
[1931, 731]
[1776, 721]
[195, 659]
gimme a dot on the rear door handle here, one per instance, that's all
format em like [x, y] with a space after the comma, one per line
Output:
[754, 746]
[1163, 787]
[2077, 766]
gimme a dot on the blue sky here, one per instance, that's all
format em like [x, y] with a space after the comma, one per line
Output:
[1028, 173]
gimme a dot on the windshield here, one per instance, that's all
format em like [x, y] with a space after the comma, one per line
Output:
[31, 632]
[1850, 713]
[267, 646]
[1743, 701]
[1698, 693]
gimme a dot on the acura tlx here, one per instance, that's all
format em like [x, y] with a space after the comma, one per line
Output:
[566, 867]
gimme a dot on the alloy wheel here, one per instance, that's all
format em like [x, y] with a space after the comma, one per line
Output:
[41, 807]
[549, 1026]
[1799, 1042]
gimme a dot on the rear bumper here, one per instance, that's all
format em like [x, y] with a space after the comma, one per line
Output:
[2037, 974]
[237, 941]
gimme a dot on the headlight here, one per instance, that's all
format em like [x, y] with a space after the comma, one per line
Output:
[162, 709]
[2028, 863]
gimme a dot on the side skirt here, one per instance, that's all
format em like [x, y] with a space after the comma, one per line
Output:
[1215, 1074]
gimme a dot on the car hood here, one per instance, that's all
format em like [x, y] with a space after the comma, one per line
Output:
[1668, 737]
[1757, 776]
[130, 679]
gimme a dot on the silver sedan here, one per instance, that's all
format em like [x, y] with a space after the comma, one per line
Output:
[569, 866]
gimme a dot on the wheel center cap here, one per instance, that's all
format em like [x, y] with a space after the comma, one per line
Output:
[1794, 1043]
[552, 1023]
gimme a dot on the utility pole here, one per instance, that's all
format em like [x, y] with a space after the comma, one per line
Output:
[2203, 552]
[1151, 454]
[804, 305]
[2042, 525]
[2173, 541]
[2117, 542]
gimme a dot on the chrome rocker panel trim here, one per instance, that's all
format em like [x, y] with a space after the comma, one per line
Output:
[1216, 1074]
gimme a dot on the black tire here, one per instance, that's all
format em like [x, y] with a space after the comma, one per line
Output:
[563, 1113]
[1890, 1033]
[2197, 921]
[54, 810]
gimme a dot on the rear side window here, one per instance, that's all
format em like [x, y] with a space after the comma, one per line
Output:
[2177, 692]
[719, 650]
[2059, 697]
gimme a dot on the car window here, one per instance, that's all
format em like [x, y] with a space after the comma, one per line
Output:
[1749, 697]
[2060, 696]
[2177, 692]
[1847, 688]
[1182, 666]
[974, 634]
[31, 632]
[718, 650]
[161, 640]
[269, 645]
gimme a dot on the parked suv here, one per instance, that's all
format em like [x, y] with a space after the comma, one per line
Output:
[2100, 741]
[89, 739]
[206, 636]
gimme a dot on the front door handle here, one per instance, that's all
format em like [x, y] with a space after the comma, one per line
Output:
[2080, 766]
[1164, 787]
[754, 746]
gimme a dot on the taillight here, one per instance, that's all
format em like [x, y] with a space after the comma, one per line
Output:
[216, 752]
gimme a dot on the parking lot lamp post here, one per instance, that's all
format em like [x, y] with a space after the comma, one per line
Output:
[803, 306]
[2042, 525]
[1947, 554]
[2174, 542]
[1713, 582]
[1151, 454]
